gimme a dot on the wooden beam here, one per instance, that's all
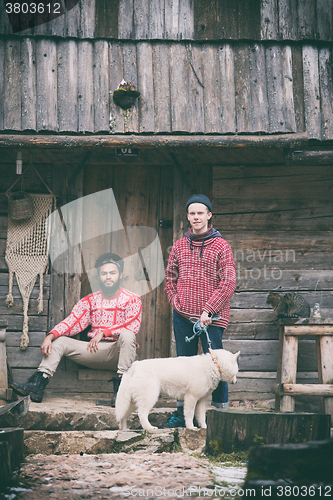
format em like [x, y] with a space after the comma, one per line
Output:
[149, 141]
[306, 389]
[310, 158]
[308, 330]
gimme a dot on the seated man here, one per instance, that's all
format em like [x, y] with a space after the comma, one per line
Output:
[114, 314]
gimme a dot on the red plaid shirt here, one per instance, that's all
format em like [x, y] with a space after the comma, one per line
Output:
[195, 283]
[123, 311]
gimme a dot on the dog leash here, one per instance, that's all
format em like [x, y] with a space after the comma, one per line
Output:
[197, 330]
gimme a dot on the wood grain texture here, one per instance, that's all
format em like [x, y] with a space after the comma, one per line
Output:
[131, 116]
[2, 82]
[47, 89]
[212, 93]
[269, 19]
[311, 91]
[227, 80]
[161, 69]
[212, 20]
[242, 88]
[326, 92]
[146, 86]
[106, 13]
[288, 96]
[274, 87]
[192, 88]
[179, 69]
[67, 86]
[171, 16]
[28, 84]
[259, 102]
[12, 85]
[196, 113]
[287, 19]
[101, 86]
[115, 77]
[126, 27]
[186, 19]
[85, 89]
[306, 13]
[88, 18]
[324, 12]
[156, 20]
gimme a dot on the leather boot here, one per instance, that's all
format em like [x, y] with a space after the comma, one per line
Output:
[116, 384]
[34, 386]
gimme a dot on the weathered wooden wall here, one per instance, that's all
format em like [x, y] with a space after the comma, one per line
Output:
[279, 223]
[278, 220]
[66, 86]
[183, 20]
[143, 187]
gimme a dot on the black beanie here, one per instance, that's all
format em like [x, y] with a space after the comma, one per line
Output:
[199, 198]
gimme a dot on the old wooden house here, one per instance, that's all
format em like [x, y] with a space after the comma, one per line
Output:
[236, 102]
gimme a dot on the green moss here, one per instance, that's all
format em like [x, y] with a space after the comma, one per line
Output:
[215, 446]
[258, 439]
[234, 458]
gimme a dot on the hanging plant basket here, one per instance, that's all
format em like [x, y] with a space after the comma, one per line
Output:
[125, 95]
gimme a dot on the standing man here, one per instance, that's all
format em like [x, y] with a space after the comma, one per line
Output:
[114, 315]
[200, 280]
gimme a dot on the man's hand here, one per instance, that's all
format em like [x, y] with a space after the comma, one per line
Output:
[93, 344]
[205, 319]
[46, 346]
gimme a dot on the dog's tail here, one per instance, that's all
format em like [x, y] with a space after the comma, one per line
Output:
[124, 398]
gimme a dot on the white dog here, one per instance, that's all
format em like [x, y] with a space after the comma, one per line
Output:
[185, 378]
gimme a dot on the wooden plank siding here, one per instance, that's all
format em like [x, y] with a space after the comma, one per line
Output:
[279, 223]
[66, 86]
[186, 20]
[278, 220]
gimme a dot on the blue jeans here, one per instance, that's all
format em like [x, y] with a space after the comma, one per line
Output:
[182, 328]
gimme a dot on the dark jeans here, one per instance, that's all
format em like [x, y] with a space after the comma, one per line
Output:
[182, 328]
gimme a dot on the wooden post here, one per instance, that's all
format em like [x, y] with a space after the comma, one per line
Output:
[289, 370]
[325, 369]
[5, 393]
[278, 373]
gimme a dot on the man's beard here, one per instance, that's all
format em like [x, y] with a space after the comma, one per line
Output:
[109, 291]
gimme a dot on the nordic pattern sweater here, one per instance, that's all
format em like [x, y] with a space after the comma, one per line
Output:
[200, 275]
[123, 311]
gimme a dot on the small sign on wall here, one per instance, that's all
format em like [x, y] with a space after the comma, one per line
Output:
[127, 152]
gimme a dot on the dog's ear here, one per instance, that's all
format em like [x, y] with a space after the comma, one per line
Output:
[237, 354]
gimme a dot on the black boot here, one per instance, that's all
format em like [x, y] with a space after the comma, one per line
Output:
[176, 419]
[116, 384]
[35, 387]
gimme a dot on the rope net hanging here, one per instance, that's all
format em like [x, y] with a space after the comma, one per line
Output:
[27, 255]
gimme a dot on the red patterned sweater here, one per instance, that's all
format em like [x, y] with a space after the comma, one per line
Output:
[109, 315]
[201, 276]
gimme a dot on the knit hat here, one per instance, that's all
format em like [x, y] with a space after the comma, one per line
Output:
[199, 198]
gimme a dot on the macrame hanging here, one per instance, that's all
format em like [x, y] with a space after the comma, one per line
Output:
[27, 250]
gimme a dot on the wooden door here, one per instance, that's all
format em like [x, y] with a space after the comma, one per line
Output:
[143, 196]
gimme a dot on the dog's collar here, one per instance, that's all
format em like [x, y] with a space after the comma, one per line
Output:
[214, 358]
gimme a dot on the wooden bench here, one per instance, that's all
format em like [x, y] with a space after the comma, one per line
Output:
[287, 388]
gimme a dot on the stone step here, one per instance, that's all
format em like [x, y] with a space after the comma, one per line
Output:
[61, 414]
[96, 442]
